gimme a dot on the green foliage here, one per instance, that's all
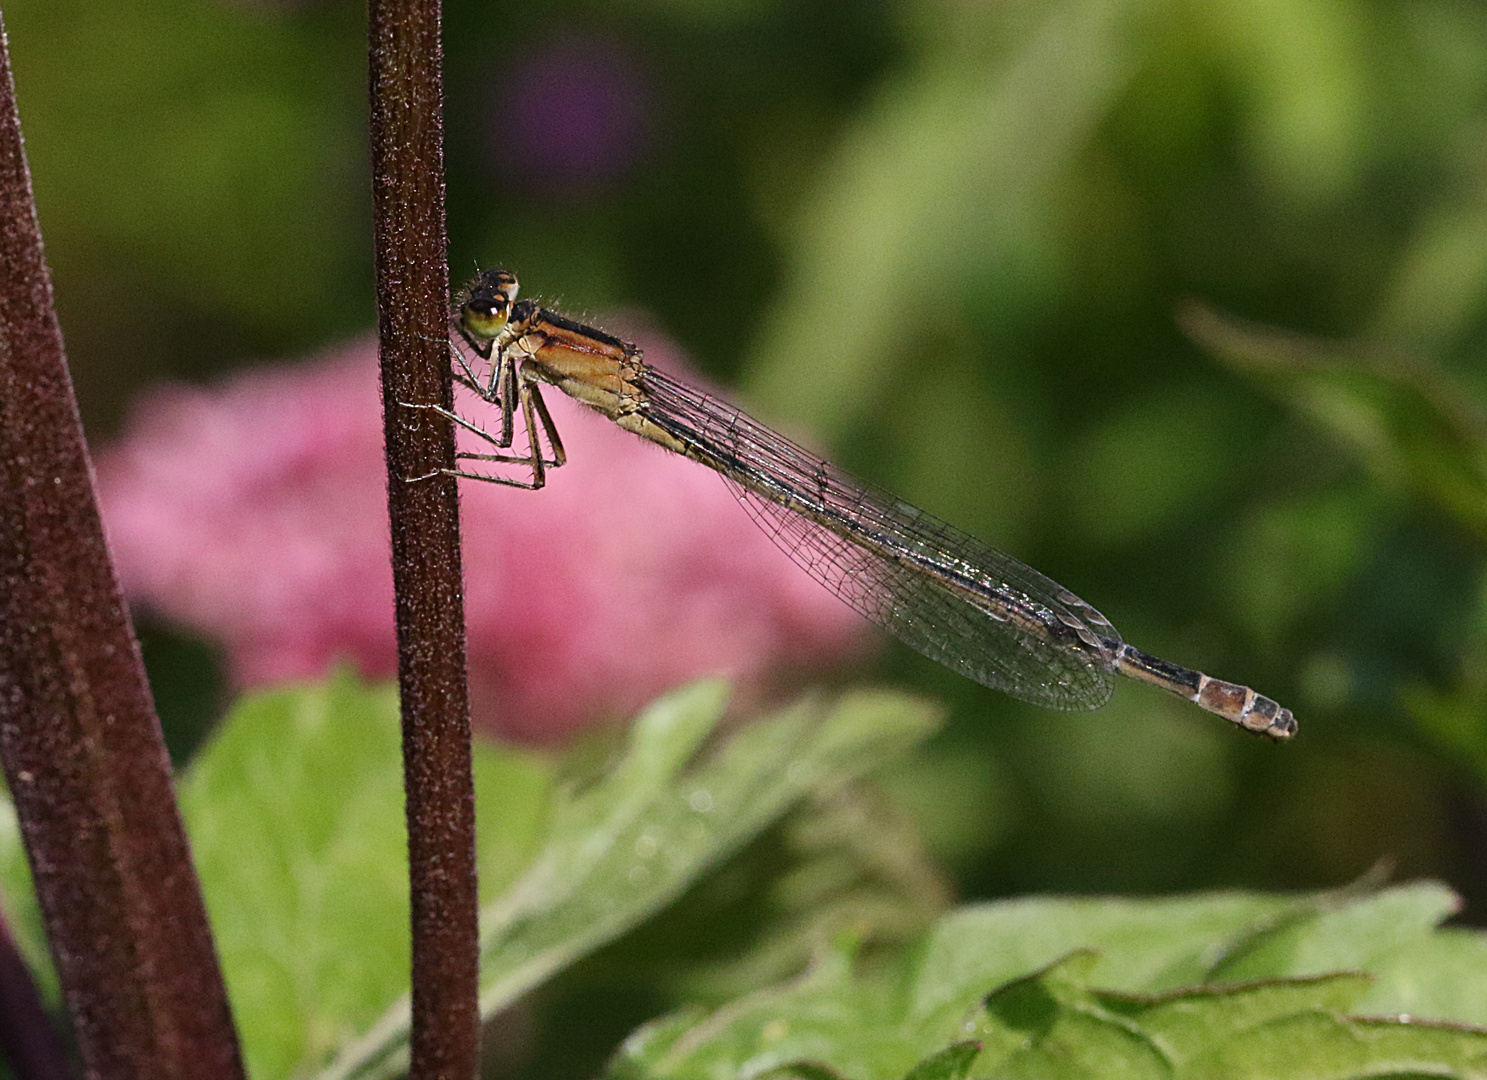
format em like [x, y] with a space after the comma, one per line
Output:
[1422, 434]
[295, 817]
[294, 812]
[225, 187]
[1414, 425]
[847, 857]
[22, 916]
[948, 168]
[1228, 985]
[629, 843]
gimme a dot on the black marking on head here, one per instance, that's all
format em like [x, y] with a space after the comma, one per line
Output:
[503, 280]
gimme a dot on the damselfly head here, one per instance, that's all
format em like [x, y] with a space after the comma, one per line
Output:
[487, 303]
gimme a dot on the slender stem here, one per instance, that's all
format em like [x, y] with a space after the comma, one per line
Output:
[413, 317]
[79, 739]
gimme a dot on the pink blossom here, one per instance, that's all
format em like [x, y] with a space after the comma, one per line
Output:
[256, 515]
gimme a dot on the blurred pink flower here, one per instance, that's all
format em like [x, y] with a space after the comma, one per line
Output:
[256, 514]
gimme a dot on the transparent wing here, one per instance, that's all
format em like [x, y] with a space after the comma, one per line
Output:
[937, 589]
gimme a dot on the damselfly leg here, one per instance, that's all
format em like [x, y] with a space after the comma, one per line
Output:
[504, 389]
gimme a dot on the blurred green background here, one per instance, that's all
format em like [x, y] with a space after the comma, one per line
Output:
[994, 256]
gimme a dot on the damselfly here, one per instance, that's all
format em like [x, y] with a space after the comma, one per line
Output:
[954, 599]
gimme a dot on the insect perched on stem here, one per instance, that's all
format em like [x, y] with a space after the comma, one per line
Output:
[956, 600]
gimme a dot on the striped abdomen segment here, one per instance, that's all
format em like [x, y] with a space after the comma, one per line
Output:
[1239, 704]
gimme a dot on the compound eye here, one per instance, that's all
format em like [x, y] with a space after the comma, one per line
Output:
[488, 305]
[485, 315]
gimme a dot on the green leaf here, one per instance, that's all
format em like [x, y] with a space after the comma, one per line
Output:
[949, 169]
[295, 811]
[825, 1017]
[1071, 987]
[1443, 976]
[1311, 1045]
[22, 913]
[1188, 1023]
[1142, 945]
[879, 1024]
[1048, 1025]
[845, 859]
[1455, 716]
[952, 1063]
[804, 1070]
[630, 843]
[1340, 932]
[1405, 417]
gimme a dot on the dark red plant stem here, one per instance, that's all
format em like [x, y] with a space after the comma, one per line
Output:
[30, 1045]
[79, 739]
[413, 319]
